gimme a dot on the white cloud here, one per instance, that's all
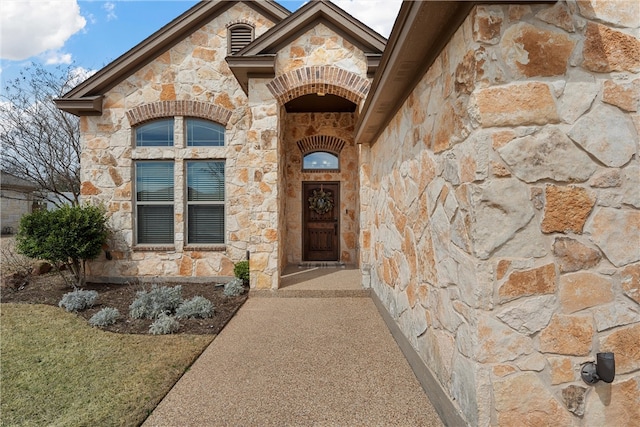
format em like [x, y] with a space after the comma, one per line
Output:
[110, 7]
[54, 57]
[32, 27]
[377, 14]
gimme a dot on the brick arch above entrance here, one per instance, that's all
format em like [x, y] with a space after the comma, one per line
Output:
[319, 79]
[327, 143]
[161, 109]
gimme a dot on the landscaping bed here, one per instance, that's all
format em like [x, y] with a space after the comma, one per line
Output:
[50, 288]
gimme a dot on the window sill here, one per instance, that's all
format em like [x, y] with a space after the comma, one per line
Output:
[205, 248]
[154, 248]
[320, 170]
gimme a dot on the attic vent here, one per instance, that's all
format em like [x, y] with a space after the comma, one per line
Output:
[239, 36]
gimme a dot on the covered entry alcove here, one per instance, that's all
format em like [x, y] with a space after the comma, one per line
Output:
[321, 204]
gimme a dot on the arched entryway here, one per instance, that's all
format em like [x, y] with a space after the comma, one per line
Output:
[320, 167]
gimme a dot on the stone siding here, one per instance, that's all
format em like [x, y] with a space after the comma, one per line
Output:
[500, 213]
[190, 79]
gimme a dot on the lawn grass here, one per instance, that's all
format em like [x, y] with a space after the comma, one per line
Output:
[56, 370]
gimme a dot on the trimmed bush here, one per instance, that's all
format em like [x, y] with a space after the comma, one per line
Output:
[105, 317]
[197, 306]
[78, 300]
[71, 235]
[153, 303]
[234, 288]
[241, 271]
[164, 324]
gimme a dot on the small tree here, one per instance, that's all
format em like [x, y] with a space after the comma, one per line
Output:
[41, 143]
[70, 235]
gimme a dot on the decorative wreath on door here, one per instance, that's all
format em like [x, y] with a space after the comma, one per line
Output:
[321, 202]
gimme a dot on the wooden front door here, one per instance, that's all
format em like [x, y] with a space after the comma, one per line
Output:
[321, 225]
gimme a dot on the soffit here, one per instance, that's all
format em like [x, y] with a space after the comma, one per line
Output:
[156, 44]
[421, 31]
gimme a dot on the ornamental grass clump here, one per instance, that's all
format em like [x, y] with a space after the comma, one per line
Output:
[234, 288]
[151, 304]
[105, 317]
[78, 300]
[196, 307]
[164, 324]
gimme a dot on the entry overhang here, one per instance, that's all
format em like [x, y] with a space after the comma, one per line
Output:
[244, 67]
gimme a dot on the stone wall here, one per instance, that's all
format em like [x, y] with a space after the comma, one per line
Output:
[340, 125]
[192, 73]
[500, 213]
[319, 60]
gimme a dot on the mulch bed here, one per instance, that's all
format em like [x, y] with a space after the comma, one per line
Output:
[49, 289]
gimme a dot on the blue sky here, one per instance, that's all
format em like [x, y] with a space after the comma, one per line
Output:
[92, 33]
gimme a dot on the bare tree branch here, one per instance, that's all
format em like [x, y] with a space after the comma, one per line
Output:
[41, 143]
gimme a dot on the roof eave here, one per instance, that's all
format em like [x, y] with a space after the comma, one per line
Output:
[245, 67]
[87, 106]
[162, 40]
[421, 31]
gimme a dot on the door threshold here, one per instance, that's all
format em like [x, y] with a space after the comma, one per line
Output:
[321, 264]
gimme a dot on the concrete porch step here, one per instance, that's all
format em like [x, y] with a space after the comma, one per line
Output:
[317, 280]
[310, 293]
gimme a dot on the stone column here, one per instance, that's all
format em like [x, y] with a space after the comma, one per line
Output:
[261, 200]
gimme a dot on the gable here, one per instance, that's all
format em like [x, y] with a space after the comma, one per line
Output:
[86, 98]
[265, 54]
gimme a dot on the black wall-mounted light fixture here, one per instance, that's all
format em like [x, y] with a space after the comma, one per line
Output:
[603, 369]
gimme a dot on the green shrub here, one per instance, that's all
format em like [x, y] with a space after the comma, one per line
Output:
[105, 317]
[241, 271]
[197, 306]
[78, 300]
[71, 235]
[153, 303]
[234, 288]
[164, 324]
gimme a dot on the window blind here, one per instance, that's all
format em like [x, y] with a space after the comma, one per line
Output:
[154, 202]
[205, 200]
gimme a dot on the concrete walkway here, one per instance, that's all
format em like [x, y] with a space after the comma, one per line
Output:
[310, 361]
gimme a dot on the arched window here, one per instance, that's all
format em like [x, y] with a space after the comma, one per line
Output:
[203, 133]
[239, 36]
[158, 133]
[322, 160]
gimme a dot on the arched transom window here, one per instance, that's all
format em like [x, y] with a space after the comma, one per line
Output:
[321, 152]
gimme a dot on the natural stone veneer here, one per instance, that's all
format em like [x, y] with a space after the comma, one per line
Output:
[504, 189]
[499, 211]
[517, 105]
